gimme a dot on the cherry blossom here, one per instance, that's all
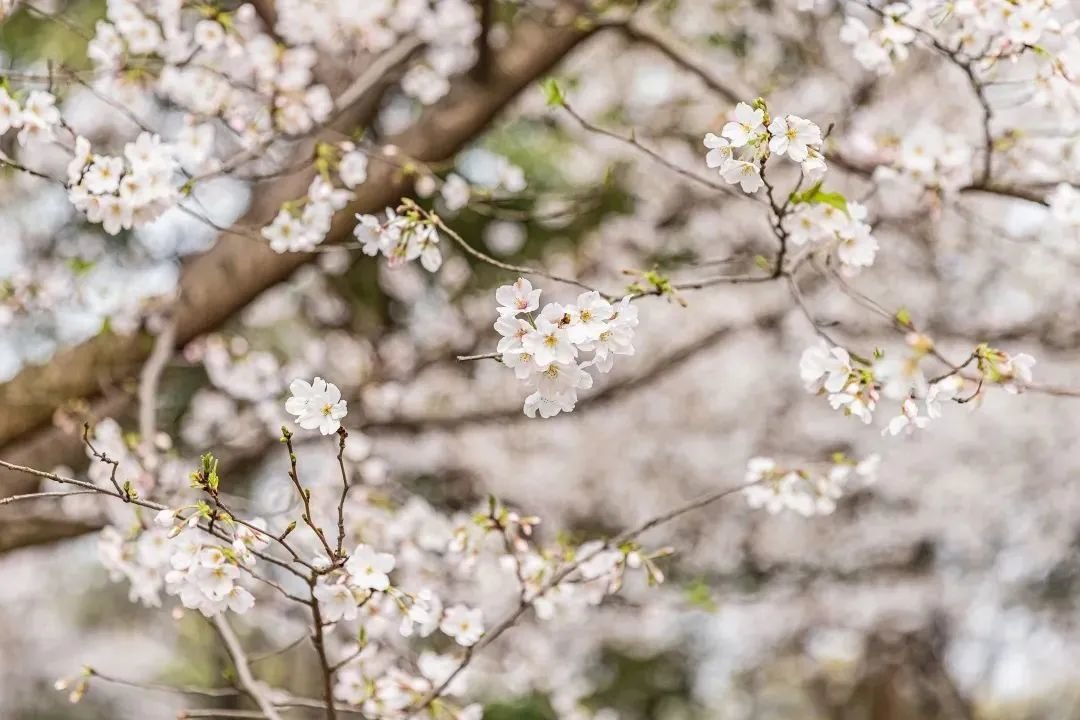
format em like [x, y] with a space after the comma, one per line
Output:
[549, 340]
[793, 135]
[517, 298]
[125, 192]
[465, 625]
[401, 238]
[746, 174]
[808, 490]
[719, 150]
[336, 601]
[369, 569]
[907, 421]
[316, 405]
[825, 367]
[747, 125]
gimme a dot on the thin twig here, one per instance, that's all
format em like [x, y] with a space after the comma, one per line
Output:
[140, 503]
[259, 657]
[251, 686]
[37, 495]
[305, 497]
[796, 295]
[479, 255]
[633, 142]
[124, 493]
[343, 434]
[159, 687]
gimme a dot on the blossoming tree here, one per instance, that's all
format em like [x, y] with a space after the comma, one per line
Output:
[281, 236]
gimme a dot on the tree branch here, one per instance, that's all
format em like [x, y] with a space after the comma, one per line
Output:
[251, 686]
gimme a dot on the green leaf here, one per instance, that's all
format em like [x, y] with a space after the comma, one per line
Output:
[553, 92]
[801, 197]
[817, 196]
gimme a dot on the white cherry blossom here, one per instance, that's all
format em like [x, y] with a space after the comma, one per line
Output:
[463, 624]
[316, 405]
[747, 125]
[369, 569]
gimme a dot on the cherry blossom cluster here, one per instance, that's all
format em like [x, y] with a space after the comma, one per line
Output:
[808, 491]
[598, 567]
[992, 30]
[197, 550]
[123, 192]
[344, 592]
[385, 690]
[361, 591]
[300, 226]
[880, 48]
[855, 385]
[217, 64]
[752, 136]
[205, 576]
[36, 119]
[839, 228]
[929, 157]
[184, 560]
[142, 561]
[543, 346]
[850, 385]
[402, 236]
[1011, 372]
[448, 29]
